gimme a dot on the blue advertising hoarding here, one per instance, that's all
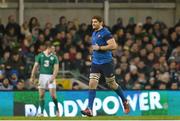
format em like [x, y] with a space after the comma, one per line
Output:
[6, 103]
[106, 103]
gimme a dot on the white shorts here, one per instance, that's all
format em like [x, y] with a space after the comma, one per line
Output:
[44, 80]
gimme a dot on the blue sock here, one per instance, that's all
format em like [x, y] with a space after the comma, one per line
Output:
[92, 95]
[119, 91]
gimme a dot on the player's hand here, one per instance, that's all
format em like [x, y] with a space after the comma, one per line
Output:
[32, 79]
[52, 79]
[95, 47]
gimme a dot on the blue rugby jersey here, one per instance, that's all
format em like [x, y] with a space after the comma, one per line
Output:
[100, 38]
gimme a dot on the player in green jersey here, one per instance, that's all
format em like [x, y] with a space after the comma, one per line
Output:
[48, 65]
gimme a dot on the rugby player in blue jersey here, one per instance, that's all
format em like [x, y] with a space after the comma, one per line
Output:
[102, 63]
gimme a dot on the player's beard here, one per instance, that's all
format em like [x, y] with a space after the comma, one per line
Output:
[96, 28]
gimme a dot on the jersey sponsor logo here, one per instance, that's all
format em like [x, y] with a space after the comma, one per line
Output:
[52, 58]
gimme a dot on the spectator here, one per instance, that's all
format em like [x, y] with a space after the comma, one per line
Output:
[162, 86]
[33, 23]
[5, 58]
[148, 23]
[20, 86]
[2, 30]
[175, 55]
[40, 41]
[10, 38]
[16, 64]
[66, 61]
[152, 82]
[118, 75]
[129, 83]
[25, 45]
[137, 86]
[2, 75]
[131, 25]
[78, 63]
[148, 87]
[25, 29]
[6, 85]
[138, 32]
[62, 26]
[82, 32]
[14, 78]
[118, 25]
[29, 85]
[12, 25]
[121, 38]
[86, 69]
[75, 36]
[29, 59]
[76, 86]
[72, 53]
[174, 86]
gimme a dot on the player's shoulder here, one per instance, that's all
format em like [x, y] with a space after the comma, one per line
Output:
[53, 56]
[106, 30]
[41, 54]
[103, 32]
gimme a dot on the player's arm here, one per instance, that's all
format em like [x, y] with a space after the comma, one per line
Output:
[111, 45]
[55, 71]
[35, 67]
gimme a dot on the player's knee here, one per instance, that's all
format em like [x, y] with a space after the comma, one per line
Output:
[53, 96]
[94, 79]
[93, 84]
[41, 96]
[111, 82]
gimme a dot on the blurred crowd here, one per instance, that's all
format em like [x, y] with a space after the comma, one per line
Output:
[148, 54]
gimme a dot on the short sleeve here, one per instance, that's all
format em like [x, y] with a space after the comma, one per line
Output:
[37, 58]
[107, 35]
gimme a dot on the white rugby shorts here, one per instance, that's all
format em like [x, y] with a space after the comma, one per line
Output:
[44, 82]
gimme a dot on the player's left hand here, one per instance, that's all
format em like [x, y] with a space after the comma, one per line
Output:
[52, 79]
[32, 79]
[95, 47]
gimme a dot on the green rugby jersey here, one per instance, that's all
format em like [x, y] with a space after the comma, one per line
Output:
[46, 63]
